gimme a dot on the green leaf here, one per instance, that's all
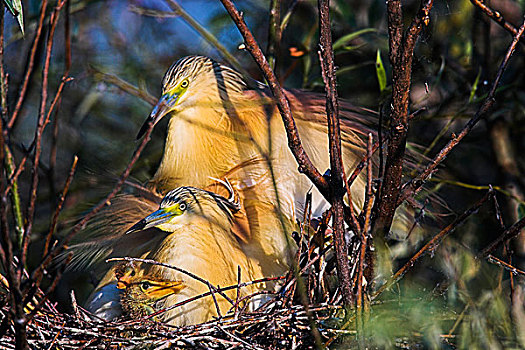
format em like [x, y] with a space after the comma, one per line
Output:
[380, 72]
[521, 211]
[15, 7]
[342, 41]
[474, 87]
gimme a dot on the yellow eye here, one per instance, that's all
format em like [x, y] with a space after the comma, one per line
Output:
[184, 84]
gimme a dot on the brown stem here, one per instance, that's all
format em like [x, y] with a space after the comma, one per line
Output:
[30, 65]
[513, 270]
[294, 141]
[15, 296]
[61, 199]
[414, 185]
[369, 203]
[337, 191]
[38, 135]
[495, 16]
[401, 55]
[510, 233]
[366, 227]
[432, 245]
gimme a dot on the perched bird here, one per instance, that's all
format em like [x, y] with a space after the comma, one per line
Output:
[222, 124]
[141, 293]
[225, 125]
[199, 240]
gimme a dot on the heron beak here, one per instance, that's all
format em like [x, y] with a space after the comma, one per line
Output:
[164, 288]
[157, 218]
[163, 107]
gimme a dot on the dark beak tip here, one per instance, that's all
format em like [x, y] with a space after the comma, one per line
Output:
[144, 128]
[139, 226]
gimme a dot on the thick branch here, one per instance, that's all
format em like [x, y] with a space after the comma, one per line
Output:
[401, 54]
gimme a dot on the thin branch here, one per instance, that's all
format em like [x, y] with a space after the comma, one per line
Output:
[274, 33]
[366, 227]
[513, 270]
[369, 203]
[58, 97]
[14, 177]
[125, 86]
[496, 16]
[294, 141]
[432, 244]
[61, 199]
[38, 134]
[210, 38]
[508, 234]
[337, 191]
[414, 185]
[213, 289]
[81, 224]
[30, 65]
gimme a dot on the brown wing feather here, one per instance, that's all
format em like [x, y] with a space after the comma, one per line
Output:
[104, 235]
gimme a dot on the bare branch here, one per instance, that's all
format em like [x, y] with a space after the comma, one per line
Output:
[401, 55]
[337, 191]
[294, 141]
[414, 185]
[432, 245]
[30, 66]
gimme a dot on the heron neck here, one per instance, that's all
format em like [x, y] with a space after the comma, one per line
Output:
[206, 142]
[203, 248]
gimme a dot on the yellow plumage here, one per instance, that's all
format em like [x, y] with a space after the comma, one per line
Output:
[197, 237]
[221, 126]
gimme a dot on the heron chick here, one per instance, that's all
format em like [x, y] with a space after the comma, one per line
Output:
[140, 293]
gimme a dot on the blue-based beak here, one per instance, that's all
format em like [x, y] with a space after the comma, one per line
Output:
[157, 218]
[163, 107]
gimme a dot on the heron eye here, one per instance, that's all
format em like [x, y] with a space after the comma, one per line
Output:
[182, 206]
[145, 286]
[184, 84]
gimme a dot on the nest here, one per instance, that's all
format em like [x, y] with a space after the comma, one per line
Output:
[305, 312]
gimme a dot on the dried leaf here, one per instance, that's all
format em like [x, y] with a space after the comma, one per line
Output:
[15, 7]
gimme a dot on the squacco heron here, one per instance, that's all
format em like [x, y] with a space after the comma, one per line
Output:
[140, 293]
[222, 124]
[198, 238]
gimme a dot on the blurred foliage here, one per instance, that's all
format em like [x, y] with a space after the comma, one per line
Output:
[449, 298]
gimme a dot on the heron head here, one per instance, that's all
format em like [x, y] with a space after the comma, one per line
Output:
[186, 205]
[141, 292]
[171, 214]
[190, 81]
